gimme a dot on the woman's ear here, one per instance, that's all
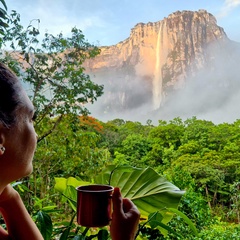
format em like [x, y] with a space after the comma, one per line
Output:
[2, 150]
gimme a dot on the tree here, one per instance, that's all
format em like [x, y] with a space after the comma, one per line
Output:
[52, 70]
[165, 139]
[135, 147]
[70, 150]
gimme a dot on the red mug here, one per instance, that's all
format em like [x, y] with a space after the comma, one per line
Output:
[94, 205]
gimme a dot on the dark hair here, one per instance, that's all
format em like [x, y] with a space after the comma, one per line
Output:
[9, 95]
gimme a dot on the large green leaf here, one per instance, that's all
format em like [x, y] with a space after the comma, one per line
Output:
[145, 187]
[67, 186]
[62, 183]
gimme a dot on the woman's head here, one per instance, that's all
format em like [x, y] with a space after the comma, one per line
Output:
[9, 95]
[17, 135]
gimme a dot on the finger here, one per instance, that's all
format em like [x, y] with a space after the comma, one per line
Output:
[117, 202]
[3, 234]
[130, 207]
[127, 204]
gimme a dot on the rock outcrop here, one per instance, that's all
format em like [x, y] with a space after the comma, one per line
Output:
[157, 60]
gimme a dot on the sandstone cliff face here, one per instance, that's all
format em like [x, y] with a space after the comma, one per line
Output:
[158, 57]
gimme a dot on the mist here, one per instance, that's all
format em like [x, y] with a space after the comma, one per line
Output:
[213, 93]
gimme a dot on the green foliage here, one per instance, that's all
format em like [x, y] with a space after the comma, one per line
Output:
[52, 70]
[195, 155]
[135, 148]
[71, 150]
[205, 165]
[155, 222]
[116, 131]
[44, 224]
[234, 212]
[220, 231]
[194, 216]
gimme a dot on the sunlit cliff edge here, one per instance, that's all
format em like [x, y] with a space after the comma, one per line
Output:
[159, 59]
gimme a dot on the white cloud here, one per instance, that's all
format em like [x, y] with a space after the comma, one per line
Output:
[58, 18]
[229, 5]
[232, 3]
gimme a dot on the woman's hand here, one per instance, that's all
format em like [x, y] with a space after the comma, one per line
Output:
[3, 234]
[125, 218]
[18, 221]
[7, 194]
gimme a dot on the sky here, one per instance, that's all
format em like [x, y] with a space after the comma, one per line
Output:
[107, 22]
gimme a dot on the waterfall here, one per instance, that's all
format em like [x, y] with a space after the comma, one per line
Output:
[157, 80]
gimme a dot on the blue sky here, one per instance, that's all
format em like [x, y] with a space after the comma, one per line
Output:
[107, 22]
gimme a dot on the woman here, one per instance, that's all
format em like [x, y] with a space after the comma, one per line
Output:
[17, 145]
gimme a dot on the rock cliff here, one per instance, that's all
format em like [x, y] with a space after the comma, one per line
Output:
[158, 60]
